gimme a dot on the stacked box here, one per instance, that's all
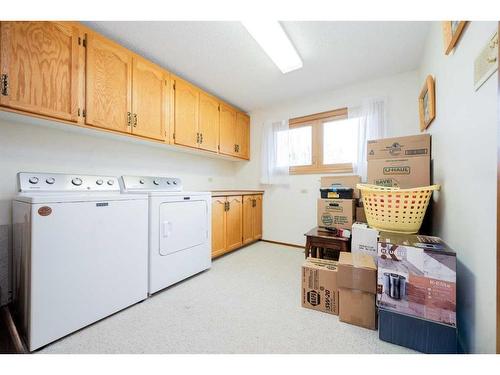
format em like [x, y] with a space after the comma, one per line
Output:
[364, 240]
[403, 161]
[357, 283]
[417, 277]
[334, 212]
[319, 285]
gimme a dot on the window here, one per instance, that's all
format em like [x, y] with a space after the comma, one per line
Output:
[323, 143]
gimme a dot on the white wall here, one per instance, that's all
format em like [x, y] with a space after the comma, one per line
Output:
[35, 145]
[464, 146]
[289, 212]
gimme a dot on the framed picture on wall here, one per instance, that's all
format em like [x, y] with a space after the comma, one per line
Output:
[452, 30]
[427, 103]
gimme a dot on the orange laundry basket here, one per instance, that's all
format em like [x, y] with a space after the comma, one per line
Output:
[393, 209]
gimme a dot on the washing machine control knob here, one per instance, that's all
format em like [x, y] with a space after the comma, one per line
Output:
[175, 182]
[50, 180]
[156, 182]
[33, 180]
[141, 181]
[110, 182]
[76, 181]
[168, 182]
[99, 182]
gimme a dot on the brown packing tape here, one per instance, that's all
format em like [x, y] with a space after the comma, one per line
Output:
[357, 271]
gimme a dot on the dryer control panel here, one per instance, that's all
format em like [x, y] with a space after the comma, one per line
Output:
[149, 183]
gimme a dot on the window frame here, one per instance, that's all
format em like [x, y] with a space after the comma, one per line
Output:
[316, 122]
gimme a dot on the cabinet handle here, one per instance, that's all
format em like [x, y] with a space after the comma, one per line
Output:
[197, 137]
[129, 118]
[135, 120]
[5, 84]
[201, 138]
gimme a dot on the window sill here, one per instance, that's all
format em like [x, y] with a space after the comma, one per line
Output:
[330, 169]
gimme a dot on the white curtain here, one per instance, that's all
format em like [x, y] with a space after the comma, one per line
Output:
[275, 153]
[371, 118]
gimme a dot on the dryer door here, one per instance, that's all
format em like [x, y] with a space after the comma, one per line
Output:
[183, 225]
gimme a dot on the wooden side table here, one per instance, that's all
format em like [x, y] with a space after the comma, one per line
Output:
[319, 240]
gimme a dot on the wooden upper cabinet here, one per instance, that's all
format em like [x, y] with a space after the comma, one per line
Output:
[109, 84]
[149, 99]
[41, 63]
[234, 229]
[243, 135]
[186, 107]
[208, 123]
[227, 130]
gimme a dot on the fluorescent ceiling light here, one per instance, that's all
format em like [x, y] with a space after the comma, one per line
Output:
[273, 40]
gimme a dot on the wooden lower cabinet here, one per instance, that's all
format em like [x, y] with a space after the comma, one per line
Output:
[218, 226]
[236, 221]
[252, 218]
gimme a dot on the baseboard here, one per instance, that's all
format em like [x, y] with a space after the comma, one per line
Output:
[284, 244]
[17, 342]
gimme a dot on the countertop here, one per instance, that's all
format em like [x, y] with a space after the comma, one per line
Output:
[225, 193]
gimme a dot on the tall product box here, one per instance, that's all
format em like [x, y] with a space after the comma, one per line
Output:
[364, 240]
[417, 276]
[356, 280]
[400, 162]
[319, 285]
[336, 213]
[417, 334]
[347, 181]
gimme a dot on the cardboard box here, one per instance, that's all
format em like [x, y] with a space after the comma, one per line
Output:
[357, 271]
[347, 181]
[364, 240]
[319, 285]
[399, 147]
[417, 277]
[360, 215]
[400, 172]
[418, 334]
[336, 213]
[358, 308]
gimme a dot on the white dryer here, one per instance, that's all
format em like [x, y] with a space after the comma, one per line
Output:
[80, 253]
[180, 239]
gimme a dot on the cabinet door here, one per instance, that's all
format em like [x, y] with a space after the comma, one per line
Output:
[248, 218]
[186, 105]
[149, 99]
[109, 85]
[234, 223]
[257, 217]
[227, 130]
[41, 61]
[243, 135]
[208, 123]
[218, 226]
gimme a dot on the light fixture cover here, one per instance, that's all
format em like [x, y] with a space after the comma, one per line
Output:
[273, 40]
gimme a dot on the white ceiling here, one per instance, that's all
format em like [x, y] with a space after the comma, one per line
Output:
[222, 58]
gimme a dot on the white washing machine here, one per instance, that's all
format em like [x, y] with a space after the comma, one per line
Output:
[180, 236]
[80, 253]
